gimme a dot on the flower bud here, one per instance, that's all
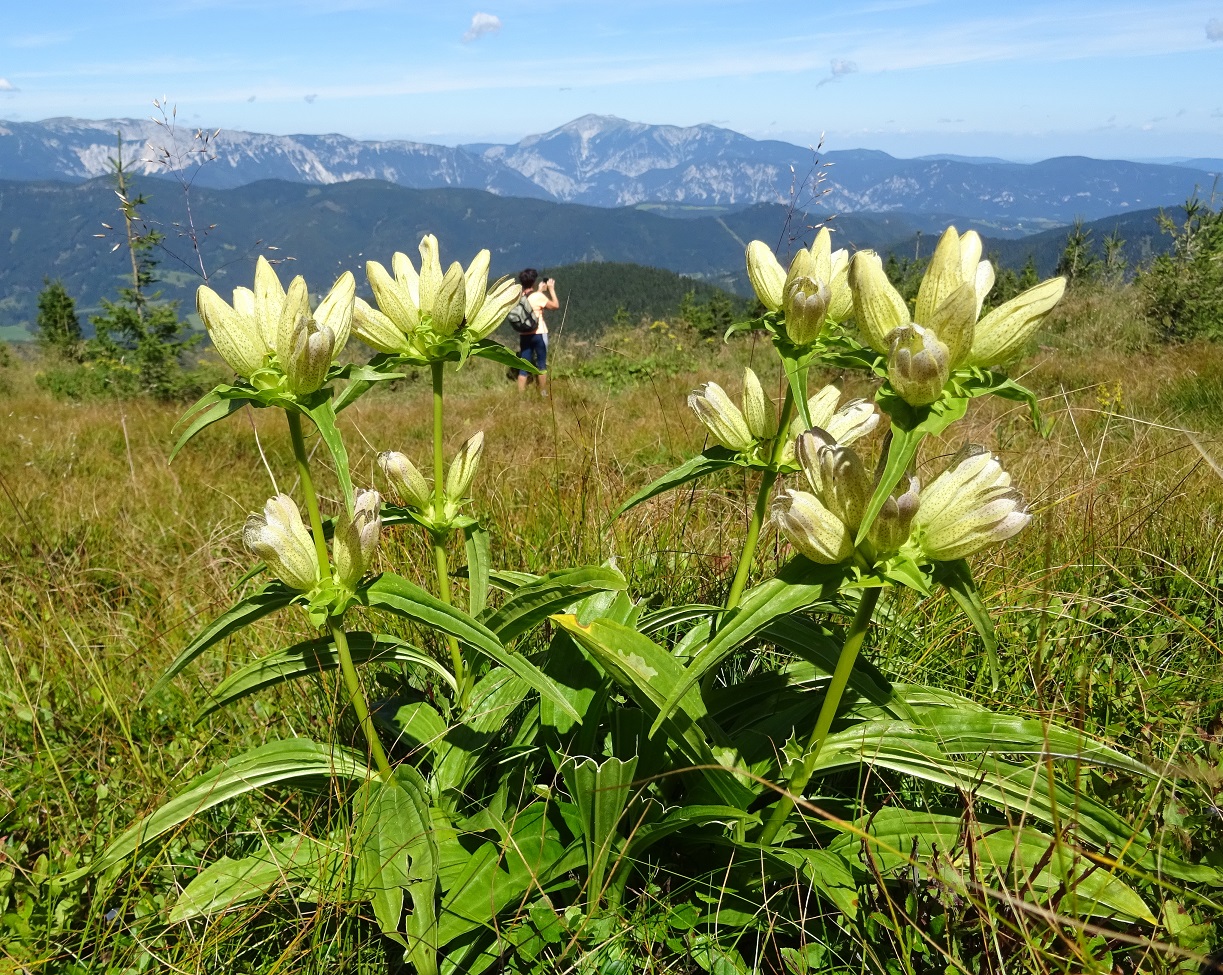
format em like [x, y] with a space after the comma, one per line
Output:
[408, 482]
[281, 540]
[879, 308]
[430, 278]
[356, 539]
[806, 309]
[918, 366]
[463, 468]
[968, 507]
[758, 409]
[841, 305]
[891, 527]
[765, 273]
[811, 528]
[721, 417]
[309, 356]
[377, 330]
[449, 307]
[335, 311]
[852, 421]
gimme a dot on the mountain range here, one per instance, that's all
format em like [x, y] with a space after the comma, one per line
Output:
[59, 230]
[603, 161]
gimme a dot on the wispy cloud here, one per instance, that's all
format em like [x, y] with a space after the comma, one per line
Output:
[6, 85]
[50, 39]
[482, 24]
[310, 98]
[1214, 29]
[838, 68]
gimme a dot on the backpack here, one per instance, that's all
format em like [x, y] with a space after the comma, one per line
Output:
[521, 317]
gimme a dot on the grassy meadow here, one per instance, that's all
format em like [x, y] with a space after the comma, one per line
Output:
[1108, 610]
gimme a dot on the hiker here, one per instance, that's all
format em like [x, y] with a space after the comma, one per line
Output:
[540, 296]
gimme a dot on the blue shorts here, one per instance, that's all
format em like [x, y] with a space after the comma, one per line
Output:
[533, 348]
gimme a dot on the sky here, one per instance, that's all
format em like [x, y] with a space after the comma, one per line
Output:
[1021, 81]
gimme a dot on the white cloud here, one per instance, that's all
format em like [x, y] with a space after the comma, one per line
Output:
[482, 24]
[39, 40]
[838, 68]
[6, 85]
[1214, 29]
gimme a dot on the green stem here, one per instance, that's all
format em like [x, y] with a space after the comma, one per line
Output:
[439, 540]
[762, 501]
[336, 624]
[357, 697]
[828, 710]
[303, 472]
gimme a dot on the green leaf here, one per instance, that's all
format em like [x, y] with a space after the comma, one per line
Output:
[298, 860]
[397, 853]
[796, 364]
[712, 460]
[910, 425]
[806, 639]
[208, 410]
[799, 585]
[267, 765]
[498, 353]
[965, 853]
[957, 577]
[601, 792]
[535, 602]
[315, 656]
[479, 559]
[361, 378]
[650, 675]
[323, 416]
[395, 594]
[244, 612]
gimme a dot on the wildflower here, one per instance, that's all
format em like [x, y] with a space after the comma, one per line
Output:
[356, 539]
[948, 305]
[408, 482]
[811, 528]
[836, 475]
[417, 309]
[970, 506]
[270, 326]
[850, 422]
[721, 417]
[758, 410]
[814, 292]
[279, 537]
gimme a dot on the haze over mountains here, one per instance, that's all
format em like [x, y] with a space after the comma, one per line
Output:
[597, 189]
[608, 162]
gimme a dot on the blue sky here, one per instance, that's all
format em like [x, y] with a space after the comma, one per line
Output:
[1018, 80]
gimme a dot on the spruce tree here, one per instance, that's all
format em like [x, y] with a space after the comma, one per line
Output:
[57, 328]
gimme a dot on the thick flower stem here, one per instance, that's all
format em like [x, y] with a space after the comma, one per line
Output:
[303, 472]
[828, 710]
[762, 502]
[356, 697]
[439, 541]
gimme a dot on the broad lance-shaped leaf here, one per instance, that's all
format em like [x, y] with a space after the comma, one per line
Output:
[267, 765]
[714, 459]
[788, 593]
[323, 416]
[650, 674]
[210, 409]
[533, 603]
[244, 612]
[601, 792]
[495, 352]
[1018, 859]
[315, 656]
[313, 868]
[395, 594]
[805, 639]
[957, 577]
[967, 749]
[479, 560]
